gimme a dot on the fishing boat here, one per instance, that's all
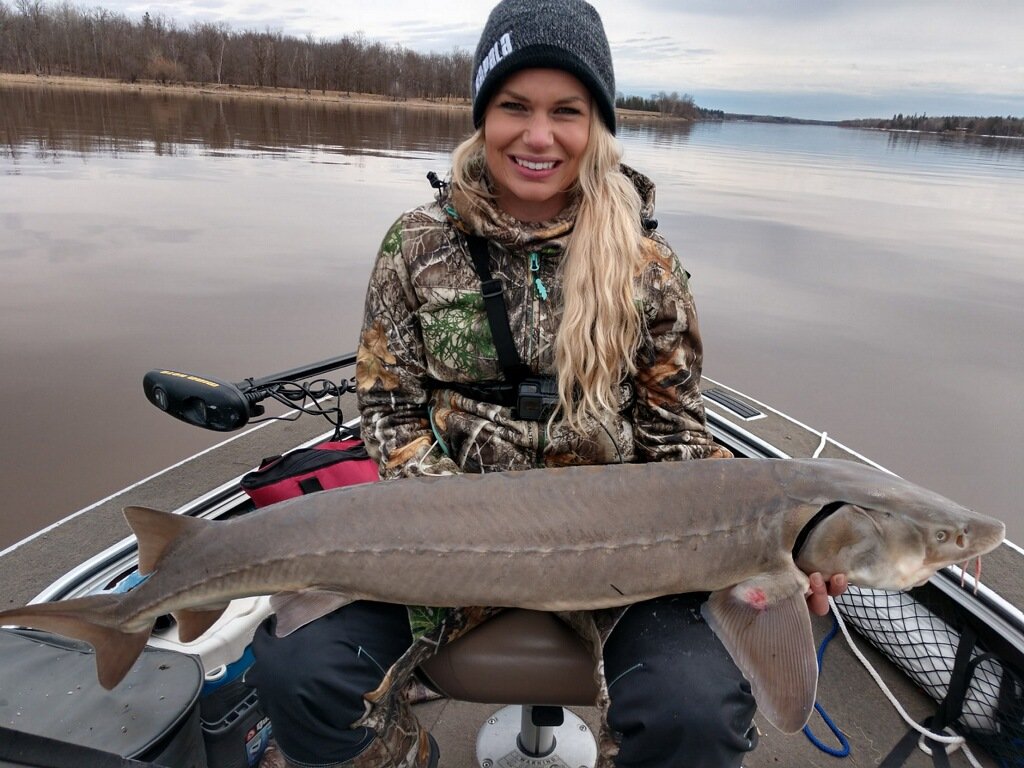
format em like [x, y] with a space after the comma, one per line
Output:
[950, 653]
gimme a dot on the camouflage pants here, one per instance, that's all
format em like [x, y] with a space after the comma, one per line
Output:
[400, 743]
[403, 744]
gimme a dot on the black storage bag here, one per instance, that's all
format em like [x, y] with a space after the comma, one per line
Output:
[48, 687]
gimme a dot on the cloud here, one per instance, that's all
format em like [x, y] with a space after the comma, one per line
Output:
[655, 49]
[431, 36]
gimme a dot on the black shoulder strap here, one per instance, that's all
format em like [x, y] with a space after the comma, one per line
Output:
[497, 313]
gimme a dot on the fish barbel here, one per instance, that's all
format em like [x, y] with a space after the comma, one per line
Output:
[575, 538]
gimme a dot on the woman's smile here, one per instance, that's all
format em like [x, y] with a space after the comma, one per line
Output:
[534, 165]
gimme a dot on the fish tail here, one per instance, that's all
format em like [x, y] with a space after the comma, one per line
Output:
[94, 620]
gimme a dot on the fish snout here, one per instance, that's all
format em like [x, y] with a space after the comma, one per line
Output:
[987, 534]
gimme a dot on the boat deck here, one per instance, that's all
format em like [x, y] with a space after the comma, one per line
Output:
[845, 691]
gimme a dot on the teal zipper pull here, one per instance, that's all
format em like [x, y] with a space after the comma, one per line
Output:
[542, 291]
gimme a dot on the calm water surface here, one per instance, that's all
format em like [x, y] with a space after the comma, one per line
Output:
[868, 284]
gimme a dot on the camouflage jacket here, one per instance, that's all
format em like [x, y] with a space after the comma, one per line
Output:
[425, 321]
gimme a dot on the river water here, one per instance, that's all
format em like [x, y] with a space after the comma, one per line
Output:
[868, 284]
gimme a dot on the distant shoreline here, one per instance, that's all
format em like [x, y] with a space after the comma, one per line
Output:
[226, 90]
[291, 95]
[962, 135]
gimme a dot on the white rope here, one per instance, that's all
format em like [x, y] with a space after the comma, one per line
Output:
[952, 743]
[821, 445]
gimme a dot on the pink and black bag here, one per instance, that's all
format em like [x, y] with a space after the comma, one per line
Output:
[333, 464]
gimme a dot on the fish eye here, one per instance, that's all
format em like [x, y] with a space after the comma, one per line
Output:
[941, 535]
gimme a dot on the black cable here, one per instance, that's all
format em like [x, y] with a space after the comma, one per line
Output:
[302, 398]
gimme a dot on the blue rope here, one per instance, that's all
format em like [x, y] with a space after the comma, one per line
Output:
[844, 748]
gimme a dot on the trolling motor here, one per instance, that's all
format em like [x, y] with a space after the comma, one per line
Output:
[222, 406]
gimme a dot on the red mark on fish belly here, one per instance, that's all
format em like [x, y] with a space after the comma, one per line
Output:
[756, 598]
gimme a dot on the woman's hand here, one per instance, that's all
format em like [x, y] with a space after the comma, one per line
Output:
[819, 591]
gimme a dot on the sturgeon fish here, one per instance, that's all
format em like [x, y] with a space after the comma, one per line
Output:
[576, 538]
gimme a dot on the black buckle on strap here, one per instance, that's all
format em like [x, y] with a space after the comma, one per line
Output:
[490, 289]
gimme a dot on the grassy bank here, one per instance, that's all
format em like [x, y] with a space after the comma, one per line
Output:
[222, 91]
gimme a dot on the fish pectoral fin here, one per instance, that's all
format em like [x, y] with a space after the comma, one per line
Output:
[297, 609]
[194, 622]
[765, 625]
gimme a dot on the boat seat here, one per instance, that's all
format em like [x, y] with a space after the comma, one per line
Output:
[518, 657]
[534, 664]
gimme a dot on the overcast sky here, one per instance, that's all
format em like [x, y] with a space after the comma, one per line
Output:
[824, 59]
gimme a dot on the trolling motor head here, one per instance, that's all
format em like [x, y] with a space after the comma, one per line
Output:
[210, 403]
[201, 401]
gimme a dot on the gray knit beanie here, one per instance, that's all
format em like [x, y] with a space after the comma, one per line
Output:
[552, 34]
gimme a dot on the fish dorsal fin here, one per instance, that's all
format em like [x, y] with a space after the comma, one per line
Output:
[765, 626]
[295, 610]
[155, 531]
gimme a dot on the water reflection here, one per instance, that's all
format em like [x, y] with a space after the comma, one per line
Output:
[54, 120]
[664, 133]
[959, 146]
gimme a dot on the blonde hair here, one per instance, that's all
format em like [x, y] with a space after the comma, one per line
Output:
[601, 323]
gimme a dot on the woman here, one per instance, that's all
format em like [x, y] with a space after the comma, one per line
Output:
[600, 363]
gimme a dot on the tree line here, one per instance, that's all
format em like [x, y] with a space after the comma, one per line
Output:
[63, 39]
[670, 105]
[975, 126]
[37, 38]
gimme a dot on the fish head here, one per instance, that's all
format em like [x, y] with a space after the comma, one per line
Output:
[888, 533]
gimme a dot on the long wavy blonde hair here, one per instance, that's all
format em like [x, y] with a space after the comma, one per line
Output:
[601, 324]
